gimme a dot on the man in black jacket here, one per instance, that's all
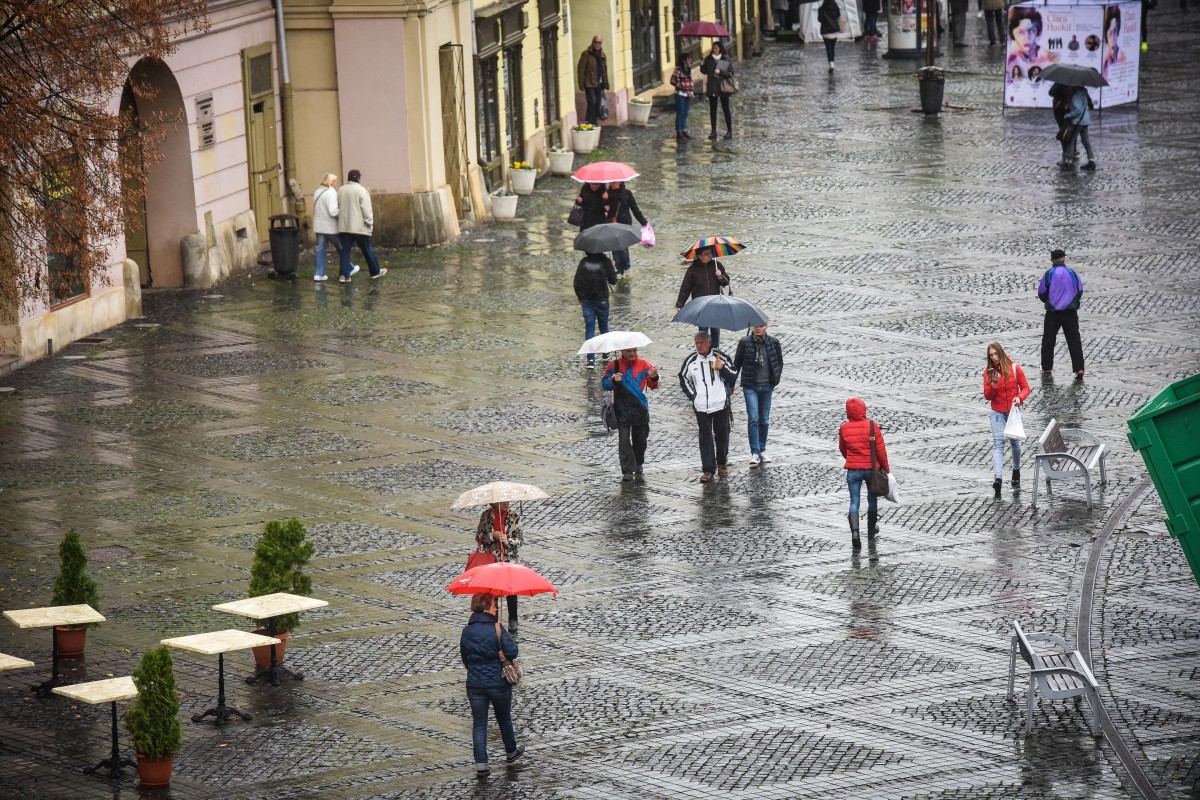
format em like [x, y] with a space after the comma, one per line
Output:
[759, 360]
[593, 276]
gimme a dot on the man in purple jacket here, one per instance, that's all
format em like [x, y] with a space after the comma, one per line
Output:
[1060, 290]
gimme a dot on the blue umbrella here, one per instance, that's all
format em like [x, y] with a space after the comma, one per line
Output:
[721, 311]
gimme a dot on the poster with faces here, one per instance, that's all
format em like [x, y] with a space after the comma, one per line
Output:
[1104, 36]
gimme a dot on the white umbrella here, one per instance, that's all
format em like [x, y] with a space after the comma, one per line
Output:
[614, 340]
[497, 492]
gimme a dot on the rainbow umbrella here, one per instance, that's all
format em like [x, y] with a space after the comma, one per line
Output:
[720, 245]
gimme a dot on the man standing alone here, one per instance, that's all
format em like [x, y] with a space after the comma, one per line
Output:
[706, 378]
[592, 74]
[1060, 290]
[356, 222]
[627, 378]
[759, 360]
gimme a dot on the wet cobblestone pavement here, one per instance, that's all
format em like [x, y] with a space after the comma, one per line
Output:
[709, 641]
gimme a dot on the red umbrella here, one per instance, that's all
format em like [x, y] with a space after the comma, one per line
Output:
[713, 30]
[605, 172]
[501, 578]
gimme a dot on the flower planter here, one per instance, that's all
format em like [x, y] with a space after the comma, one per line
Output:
[562, 164]
[639, 113]
[262, 655]
[71, 641]
[154, 773]
[522, 180]
[584, 142]
[504, 207]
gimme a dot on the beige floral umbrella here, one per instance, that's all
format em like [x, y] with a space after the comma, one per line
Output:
[497, 492]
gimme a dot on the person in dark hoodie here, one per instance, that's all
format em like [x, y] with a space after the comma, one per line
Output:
[622, 208]
[593, 276]
[593, 199]
[704, 276]
[479, 647]
[854, 440]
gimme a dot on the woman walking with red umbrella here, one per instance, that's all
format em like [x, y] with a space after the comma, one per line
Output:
[482, 645]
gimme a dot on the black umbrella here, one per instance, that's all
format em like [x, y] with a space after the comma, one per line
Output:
[606, 237]
[721, 311]
[1073, 75]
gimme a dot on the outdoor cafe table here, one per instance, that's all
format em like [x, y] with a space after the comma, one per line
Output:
[52, 617]
[12, 662]
[270, 607]
[105, 691]
[219, 643]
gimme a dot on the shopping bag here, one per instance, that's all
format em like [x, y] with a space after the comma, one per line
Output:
[608, 412]
[602, 113]
[648, 240]
[479, 558]
[893, 488]
[1014, 428]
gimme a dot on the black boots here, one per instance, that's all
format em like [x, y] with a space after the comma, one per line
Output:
[1016, 481]
[855, 542]
[872, 523]
[996, 486]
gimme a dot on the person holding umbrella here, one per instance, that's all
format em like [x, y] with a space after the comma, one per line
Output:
[628, 378]
[593, 199]
[499, 533]
[705, 276]
[706, 379]
[480, 647]
[1079, 118]
[717, 68]
[623, 208]
[593, 276]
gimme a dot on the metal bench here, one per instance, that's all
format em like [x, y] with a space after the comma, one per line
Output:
[1057, 675]
[1067, 453]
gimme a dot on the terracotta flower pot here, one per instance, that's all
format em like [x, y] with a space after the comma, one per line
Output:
[262, 655]
[154, 772]
[71, 641]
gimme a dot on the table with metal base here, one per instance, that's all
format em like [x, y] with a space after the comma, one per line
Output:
[106, 691]
[219, 643]
[52, 617]
[12, 662]
[270, 607]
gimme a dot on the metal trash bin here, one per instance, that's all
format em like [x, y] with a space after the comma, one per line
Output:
[1166, 431]
[285, 243]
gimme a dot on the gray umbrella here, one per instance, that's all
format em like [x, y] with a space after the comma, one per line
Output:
[721, 311]
[607, 237]
[1073, 75]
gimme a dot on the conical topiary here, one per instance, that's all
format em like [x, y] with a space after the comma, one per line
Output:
[73, 586]
[153, 718]
[279, 561]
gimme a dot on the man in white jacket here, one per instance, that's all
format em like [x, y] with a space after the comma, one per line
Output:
[356, 222]
[706, 379]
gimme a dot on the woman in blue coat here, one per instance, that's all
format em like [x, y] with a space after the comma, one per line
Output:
[480, 646]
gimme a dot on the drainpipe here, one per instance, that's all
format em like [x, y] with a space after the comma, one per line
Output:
[288, 116]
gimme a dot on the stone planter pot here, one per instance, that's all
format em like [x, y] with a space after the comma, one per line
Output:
[522, 180]
[584, 142]
[154, 773]
[639, 113]
[561, 164]
[504, 207]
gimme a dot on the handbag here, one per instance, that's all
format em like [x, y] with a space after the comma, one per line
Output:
[843, 24]
[608, 412]
[877, 479]
[1014, 427]
[728, 85]
[576, 216]
[480, 558]
[510, 669]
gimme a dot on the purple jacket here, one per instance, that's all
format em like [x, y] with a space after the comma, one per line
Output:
[1060, 288]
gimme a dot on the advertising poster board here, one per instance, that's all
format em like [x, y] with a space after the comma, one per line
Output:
[902, 25]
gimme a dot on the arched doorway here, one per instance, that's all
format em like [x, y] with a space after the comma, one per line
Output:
[167, 211]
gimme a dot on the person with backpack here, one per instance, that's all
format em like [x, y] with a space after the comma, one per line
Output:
[593, 276]
[628, 378]
[706, 379]
[1060, 290]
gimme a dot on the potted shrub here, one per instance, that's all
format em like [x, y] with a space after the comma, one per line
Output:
[639, 111]
[522, 177]
[504, 206]
[279, 561]
[153, 718]
[585, 137]
[73, 587]
[562, 160]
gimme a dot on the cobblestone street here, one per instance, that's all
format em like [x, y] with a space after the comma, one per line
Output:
[708, 641]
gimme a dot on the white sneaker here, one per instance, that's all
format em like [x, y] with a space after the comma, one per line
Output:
[755, 459]
[979, 15]
[320, 277]
[831, 66]
[763, 457]
[354, 271]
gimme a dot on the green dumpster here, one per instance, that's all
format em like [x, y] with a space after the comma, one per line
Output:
[1166, 431]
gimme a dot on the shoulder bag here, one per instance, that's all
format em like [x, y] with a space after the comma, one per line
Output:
[479, 558]
[511, 670]
[877, 479]
[576, 216]
[728, 85]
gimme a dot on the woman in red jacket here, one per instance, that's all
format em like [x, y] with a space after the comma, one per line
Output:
[1005, 386]
[854, 440]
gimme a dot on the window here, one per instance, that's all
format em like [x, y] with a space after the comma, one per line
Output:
[514, 127]
[550, 75]
[64, 238]
[206, 132]
[487, 113]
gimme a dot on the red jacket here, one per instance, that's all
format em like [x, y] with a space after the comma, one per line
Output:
[1003, 392]
[854, 438]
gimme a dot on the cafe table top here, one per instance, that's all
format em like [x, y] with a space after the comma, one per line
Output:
[52, 616]
[271, 605]
[219, 642]
[106, 691]
[12, 662]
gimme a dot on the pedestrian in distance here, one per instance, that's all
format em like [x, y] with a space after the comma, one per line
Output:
[871, 9]
[593, 276]
[1079, 118]
[685, 88]
[827, 16]
[623, 208]
[1060, 290]
[628, 378]
[993, 12]
[854, 442]
[705, 276]
[781, 9]
[479, 646]
[593, 199]
[706, 379]
[717, 67]
[1006, 388]
[356, 223]
[759, 362]
[959, 11]
[325, 225]
[499, 533]
[592, 74]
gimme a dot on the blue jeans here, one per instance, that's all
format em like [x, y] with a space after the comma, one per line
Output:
[855, 478]
[621, 260]
[364, 244]
[501, 701]
[998, 420]
[594, 311]
[758, 415]
[682, 106]
[324, 239]
[869, 28]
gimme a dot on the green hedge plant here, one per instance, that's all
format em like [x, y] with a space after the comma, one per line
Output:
[279, 561]
[153, 718]
[73, 587]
